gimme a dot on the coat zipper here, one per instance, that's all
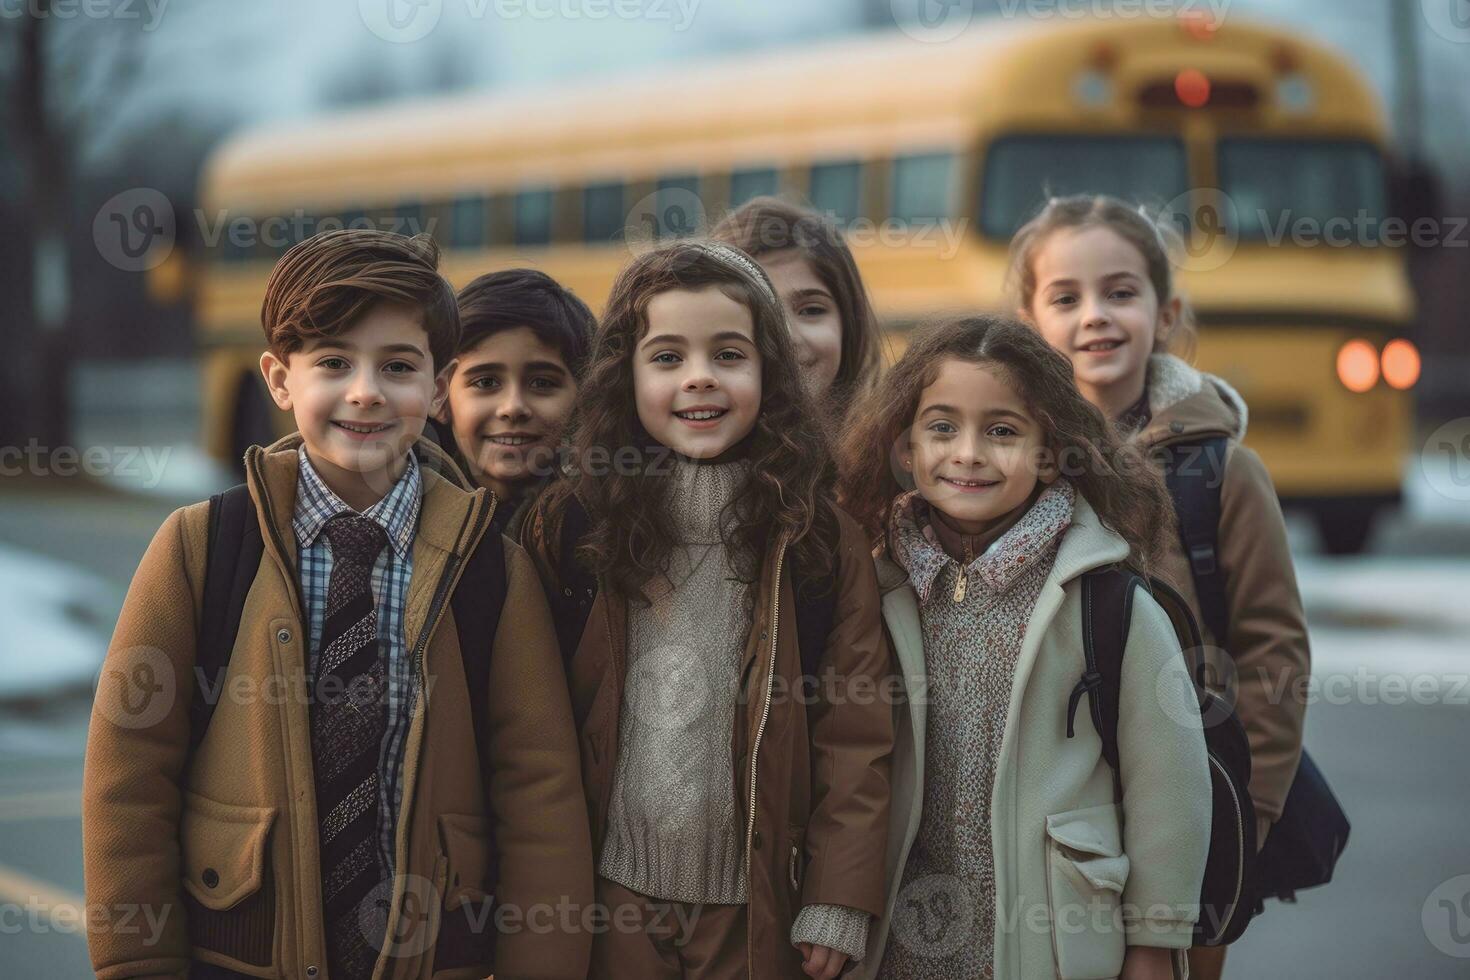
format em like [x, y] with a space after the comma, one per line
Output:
[756, 749]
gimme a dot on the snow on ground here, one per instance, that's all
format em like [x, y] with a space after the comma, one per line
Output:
[183, 472]
[1426, 594]
[55, 630]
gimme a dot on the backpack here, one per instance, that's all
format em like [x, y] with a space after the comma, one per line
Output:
[1226, 894]
[1303, 846]
[234, 553]
[816, 603]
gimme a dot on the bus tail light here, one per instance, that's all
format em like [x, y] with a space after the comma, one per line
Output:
[1357, 365]
[1401, 364]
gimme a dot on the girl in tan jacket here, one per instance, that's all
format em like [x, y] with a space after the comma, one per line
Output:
[735, 809]
[1094, 278]
[1012, 851]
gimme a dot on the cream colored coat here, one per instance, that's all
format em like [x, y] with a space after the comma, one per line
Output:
[1078, 876]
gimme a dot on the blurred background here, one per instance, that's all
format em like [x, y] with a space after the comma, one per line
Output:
[158, 156]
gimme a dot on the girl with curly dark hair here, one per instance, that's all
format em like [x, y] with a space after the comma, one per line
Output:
[719, 619]
[994, 487]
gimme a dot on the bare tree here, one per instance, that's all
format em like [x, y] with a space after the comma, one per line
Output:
[64, 81]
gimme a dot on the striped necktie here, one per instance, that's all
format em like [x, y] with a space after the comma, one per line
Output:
[348, 719]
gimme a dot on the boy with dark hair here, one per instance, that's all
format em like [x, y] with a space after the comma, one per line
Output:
[375, 758]
[524, 344]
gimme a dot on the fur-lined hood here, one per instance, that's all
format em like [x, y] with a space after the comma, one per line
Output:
[1186, 404]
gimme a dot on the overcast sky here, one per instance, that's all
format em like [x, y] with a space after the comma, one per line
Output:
[282, 58]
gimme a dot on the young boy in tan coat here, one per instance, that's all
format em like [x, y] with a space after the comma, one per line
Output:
[335, 819]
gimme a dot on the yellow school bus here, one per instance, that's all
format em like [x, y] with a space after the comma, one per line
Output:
[1269, 148]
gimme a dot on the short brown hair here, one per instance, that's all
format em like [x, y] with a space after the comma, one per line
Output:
[766, 225]
[325, 284]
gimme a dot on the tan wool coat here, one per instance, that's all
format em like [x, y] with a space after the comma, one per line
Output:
[1265, 658]
[220, 845]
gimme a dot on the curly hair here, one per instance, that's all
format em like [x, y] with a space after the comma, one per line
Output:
[791, 479]
[1119, 482]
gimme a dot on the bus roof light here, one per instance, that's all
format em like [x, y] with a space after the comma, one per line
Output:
[1401, 364]
[1192, 87]
[1357, 366]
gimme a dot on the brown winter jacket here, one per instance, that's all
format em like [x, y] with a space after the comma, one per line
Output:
[223, 843]
[1268, 630]
[811, 780]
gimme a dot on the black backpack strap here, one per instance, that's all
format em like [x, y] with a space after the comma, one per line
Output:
[572, 604]
[816, 611]
[1194, 474]
[477, 604]
[1107, 612]
[478, 599]
[233, 558]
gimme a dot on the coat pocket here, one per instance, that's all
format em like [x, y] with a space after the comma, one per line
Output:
[1086, 871]
[229, 885]
[466, 941]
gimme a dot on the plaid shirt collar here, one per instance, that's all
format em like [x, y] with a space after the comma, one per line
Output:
[397, 512]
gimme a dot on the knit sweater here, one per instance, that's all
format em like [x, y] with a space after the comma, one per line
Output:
[673, 826]
[972, 638]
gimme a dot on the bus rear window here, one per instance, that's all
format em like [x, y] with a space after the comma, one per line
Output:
[1278, 185]
[1021, 172]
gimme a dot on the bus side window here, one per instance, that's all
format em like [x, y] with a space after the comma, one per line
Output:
[754, 182]
[407, 219]
[923, 188]
[466, 222]
[678, 210]
[603, 213]
[835, 189]
[533, 217]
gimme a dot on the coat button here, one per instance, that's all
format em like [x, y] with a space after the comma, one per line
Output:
[211, 877]
[755, 840]
[284, 636]
[311, 971]
[1176, 427]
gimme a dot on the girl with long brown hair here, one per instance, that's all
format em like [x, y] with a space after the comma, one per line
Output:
[833, 327]
[704, 582]
[993, 486]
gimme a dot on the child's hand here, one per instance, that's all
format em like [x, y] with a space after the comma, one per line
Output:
[1148, 963]
[821, 962]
